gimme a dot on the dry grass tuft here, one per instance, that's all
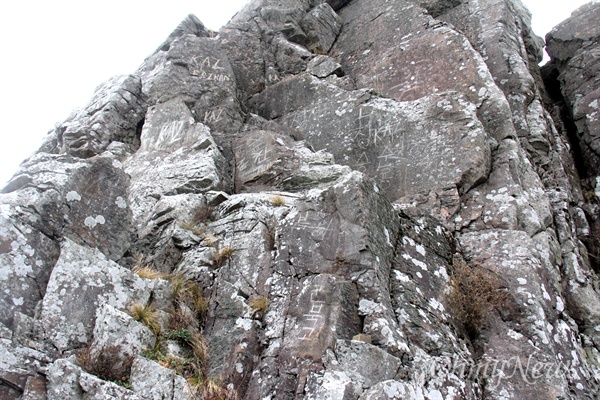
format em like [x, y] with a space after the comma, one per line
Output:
[277, 201]
[147, 272]
[147, 315]
[108, 363]
[475, 292]
[221, 255]
[259, 306]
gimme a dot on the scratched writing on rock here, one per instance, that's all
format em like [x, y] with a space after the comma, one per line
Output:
[368, 128]
[213, 116]
[208, 68]
[256, 159]
[313, 320]
[375, 142]
[171, 134]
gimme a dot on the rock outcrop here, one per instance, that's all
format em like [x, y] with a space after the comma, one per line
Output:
[379, 199]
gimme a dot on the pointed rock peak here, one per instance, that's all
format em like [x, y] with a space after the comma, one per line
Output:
[190, 25]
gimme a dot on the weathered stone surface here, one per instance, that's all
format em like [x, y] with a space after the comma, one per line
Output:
[150, 381]
[63, 380]
[195, 70]
[385, 138]
[190, 25]
[310, 199]
[394, 390]
[574, 48]
[268, 160]
[68, 381]
[88, 204]
[82, 281]
[177, 156]
[26, 259]
[116, 328]
[322, 25]
[331, 386]
[323, 66]
[115, 113]
[35, 389]
[365, 364]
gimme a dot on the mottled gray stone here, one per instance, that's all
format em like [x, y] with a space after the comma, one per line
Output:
[114, 114]
[266, 160]
[573, 46]
[335, 207]
[150, 381]
[63, 380]
[26, 259]
[322, 25]
[68, 381]
[323, 66]
[395, 390]
[195, 70]
[177, 156]
[365, 364]
[386, 138]
[332, 385]
[95, 388]
[82, 281]
[88, 204]
[116, 328]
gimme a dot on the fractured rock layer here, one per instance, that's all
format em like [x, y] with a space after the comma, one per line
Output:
[287, 209]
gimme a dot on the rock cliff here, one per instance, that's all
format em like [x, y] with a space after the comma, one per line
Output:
[366, 199]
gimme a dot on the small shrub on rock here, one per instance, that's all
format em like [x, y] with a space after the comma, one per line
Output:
[475, 292]
[147, 272]
[259, 306]
[278, 201]
[221, 255]
[147, 315]
[107, 363]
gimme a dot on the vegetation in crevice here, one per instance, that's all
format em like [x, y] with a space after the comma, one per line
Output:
[107, 363]
[474, 293]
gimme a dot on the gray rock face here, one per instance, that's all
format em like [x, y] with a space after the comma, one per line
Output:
[82, 281]
[314, 182]
[574, 47]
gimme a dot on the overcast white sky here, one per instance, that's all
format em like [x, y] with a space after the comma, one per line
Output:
[54, 53]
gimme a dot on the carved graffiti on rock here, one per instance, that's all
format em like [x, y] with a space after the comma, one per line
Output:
[313, 320]
[208, 68]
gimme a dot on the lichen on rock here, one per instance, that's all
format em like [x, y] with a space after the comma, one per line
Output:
[283, 211]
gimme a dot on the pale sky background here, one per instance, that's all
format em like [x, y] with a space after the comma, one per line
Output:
[54, 53]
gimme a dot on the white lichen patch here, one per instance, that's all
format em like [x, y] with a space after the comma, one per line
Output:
[120, 202]
[514, 335]
[244, 323]
[401, 276]
[73, 196]
[419, 264]
[436, 305]
[560, 305]
[91, 222]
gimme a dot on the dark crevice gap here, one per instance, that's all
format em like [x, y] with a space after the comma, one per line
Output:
[552, 84]
[138, 129]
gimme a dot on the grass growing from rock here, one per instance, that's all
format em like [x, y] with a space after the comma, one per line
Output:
[259, 306]
[147, 315]
[107, 363]
[277, 201]
[148, 272]
[221, 255]
[183, 325]
[475, 292]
